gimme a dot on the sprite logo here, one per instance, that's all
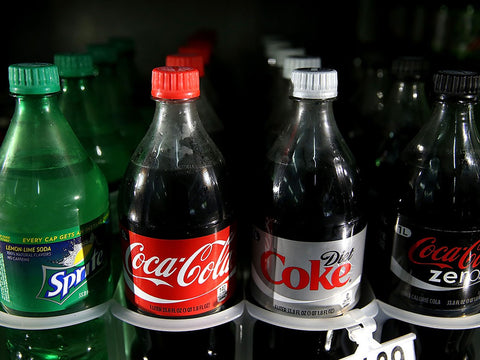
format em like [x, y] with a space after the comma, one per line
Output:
[61, 282]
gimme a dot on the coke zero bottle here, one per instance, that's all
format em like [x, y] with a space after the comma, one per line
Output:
[434, 229]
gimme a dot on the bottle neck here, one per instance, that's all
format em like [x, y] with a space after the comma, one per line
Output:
[178, 137]
[315, 113]
[450, 132]
[407, 108]
[457, 115]
[312, 131]
[35, 107]
[80, 103]
[179, 116]
[79, 84]
[411, 89]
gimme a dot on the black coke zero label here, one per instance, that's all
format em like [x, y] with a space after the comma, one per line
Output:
[435, 268]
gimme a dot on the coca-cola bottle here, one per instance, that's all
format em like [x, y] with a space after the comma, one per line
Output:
[309, 225]
[176, 218]
[434, 228]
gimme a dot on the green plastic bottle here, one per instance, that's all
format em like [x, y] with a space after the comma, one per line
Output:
[80, 104]
[54, 206]
[116, 102]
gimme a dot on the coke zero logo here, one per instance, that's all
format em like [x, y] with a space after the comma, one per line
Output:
[426, 251]
[335, 272]
[209, 262]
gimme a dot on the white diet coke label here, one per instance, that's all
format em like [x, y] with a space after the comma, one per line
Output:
[307, 279]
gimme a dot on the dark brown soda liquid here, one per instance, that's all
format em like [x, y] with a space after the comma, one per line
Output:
[178, 204]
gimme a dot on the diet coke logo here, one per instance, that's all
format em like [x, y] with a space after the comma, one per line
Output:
[427, 251]
[331, 271]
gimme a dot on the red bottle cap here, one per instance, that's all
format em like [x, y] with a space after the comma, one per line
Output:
[199, 49]
[175, 82]
[188, 60]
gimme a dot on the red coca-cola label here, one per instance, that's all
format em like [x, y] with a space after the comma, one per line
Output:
[179, 277]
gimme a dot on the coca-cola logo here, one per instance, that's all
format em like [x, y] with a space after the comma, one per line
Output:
[427, 251]
[331, 271]
[196, 271]
[173, 271]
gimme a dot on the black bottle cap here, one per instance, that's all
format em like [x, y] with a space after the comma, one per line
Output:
[456, 82]
[410, 67]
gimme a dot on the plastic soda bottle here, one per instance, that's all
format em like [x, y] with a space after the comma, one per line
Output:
[116, 102]
[311, 207]
[54, 210]
[177, 220]
[436, 207]
[80, 104]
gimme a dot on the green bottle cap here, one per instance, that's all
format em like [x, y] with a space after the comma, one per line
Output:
[33, 79]
[74, 64]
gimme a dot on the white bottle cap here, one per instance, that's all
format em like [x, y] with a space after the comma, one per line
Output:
[314, 83]
[282, 53]
[299, 61]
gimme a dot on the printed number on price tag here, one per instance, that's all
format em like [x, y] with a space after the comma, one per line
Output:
[401, 348]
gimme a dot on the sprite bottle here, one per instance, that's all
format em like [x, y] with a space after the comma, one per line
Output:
[54, 219]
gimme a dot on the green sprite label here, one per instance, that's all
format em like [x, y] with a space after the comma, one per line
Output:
[51, 272]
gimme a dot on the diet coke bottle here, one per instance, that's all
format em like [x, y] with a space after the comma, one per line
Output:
[310, 224]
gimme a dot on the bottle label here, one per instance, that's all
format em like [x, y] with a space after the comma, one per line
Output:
[179, 277]
[307, 279]
[51, 272]
[437, 269]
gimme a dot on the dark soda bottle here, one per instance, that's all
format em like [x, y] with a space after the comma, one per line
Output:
[177, 221]
[309, 225]
[406, 111]
[434, 228]
[363, 110]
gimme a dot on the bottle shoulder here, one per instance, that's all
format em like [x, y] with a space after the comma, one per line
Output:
[52, 198]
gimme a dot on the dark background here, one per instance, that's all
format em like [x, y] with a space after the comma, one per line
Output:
[338, 31]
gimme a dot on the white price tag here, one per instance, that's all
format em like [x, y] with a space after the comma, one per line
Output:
[401, 348]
